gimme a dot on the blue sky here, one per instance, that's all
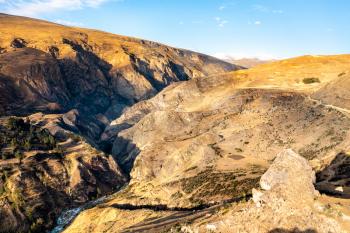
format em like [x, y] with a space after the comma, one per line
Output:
[238, 28]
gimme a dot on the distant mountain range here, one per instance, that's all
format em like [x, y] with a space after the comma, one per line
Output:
[248, 62]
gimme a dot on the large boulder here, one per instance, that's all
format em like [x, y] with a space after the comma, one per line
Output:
[290, 176]
[286, 202]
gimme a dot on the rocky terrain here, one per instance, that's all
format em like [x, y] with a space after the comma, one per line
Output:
[220, 127]
[48, 170]
[97, 73]
[64, 85]
[205, 142]
[179, 141]
[286, 201]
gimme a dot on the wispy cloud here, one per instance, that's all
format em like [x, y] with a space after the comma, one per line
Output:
[260, 8]
[265, 9]
[226, 4]
[278, 11]
[257, 23]
[221, 22]
[222, 7]
[38, 7]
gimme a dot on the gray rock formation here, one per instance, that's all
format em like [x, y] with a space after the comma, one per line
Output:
[287, 202]
[290, 173]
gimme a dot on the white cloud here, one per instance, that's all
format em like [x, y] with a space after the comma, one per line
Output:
[266, 9]
[69, 23]
[261, 8]
[94, 3]
[222, 8]
[278, 11]
[257, 22]
[37, 7]
[221, 22]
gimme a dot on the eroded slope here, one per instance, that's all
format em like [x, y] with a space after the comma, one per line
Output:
[207, 140]
[46, 169]
[97, 69]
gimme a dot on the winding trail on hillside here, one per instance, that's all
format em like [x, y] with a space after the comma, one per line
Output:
[342, 110]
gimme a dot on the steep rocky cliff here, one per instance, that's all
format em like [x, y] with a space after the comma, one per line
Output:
[54, 67]
[45, 169]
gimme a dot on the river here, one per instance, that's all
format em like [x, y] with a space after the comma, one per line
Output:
[68, 216]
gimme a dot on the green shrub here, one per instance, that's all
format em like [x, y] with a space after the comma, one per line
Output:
[2, 190]
[22, 136]
[19, 155]
[27, 145]
[5, 156]
[311, 80]
[37, 226]
[4, 176]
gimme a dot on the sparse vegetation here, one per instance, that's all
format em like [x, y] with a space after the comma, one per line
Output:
[176, 195]
[239, 150]
[18, 136]
[37, 226]
[311, 80]
[191, 168]
[208, 184]
[2, 190]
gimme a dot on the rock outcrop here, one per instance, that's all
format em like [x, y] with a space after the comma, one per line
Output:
[334, 178]
[35, 82]
[288, 202]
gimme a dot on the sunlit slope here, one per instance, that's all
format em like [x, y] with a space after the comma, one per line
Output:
[306, 73]
[89, 68]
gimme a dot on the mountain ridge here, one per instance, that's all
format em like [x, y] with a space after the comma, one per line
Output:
[70, 82]
[177, 139]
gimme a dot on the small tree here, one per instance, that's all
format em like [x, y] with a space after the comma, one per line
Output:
[2, 190]
[311, 80]
[27, 145]
[52, 142]
[5, 156]
[12, 122]
[19, 155]
[14, 142]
